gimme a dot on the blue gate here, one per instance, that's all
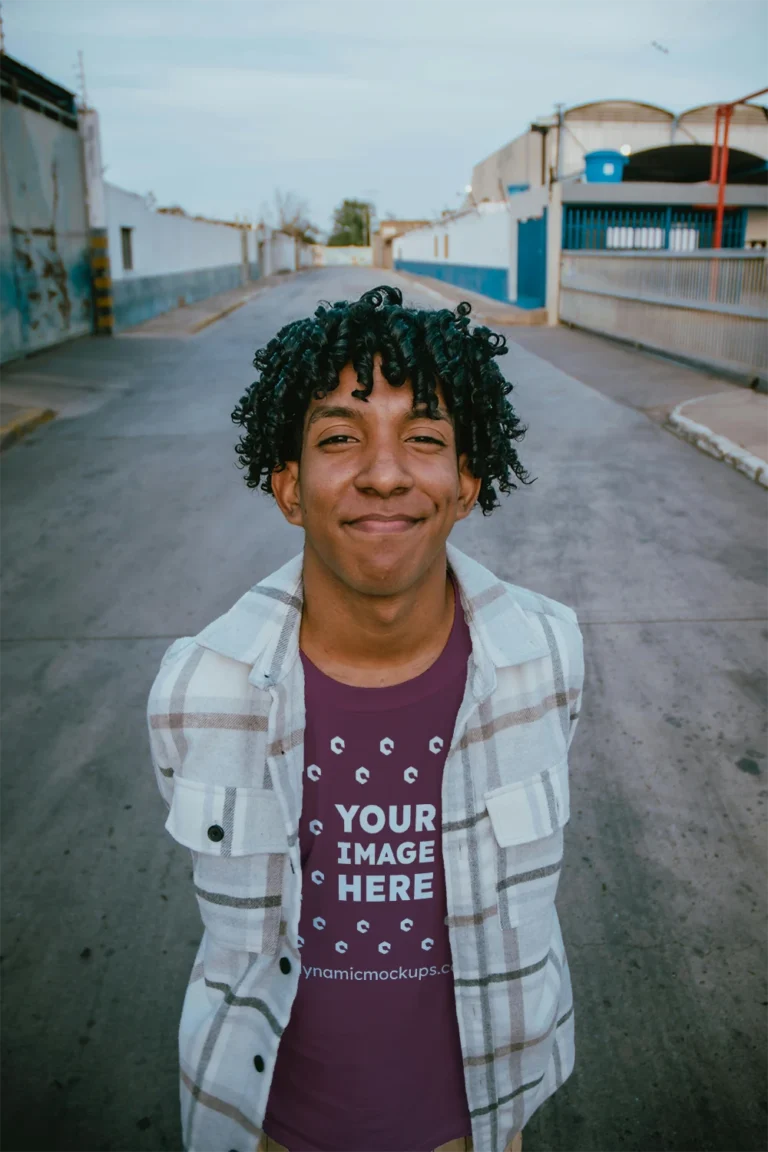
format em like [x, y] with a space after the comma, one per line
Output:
[532, 262]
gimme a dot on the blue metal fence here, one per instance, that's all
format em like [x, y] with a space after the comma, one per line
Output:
[678, 229]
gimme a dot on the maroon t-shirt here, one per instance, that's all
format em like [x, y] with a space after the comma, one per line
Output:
[371, 1059]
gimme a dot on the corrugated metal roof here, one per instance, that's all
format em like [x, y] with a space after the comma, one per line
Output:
[742, 114]
[623, 111]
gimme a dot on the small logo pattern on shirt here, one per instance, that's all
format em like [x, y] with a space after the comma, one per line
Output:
[359, 826]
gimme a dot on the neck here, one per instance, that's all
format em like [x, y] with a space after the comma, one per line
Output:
[373, 641]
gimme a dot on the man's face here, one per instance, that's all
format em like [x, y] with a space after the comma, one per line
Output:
[379, 487]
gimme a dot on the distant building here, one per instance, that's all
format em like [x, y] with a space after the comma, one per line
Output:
[382, 240]
[342, 255]
[652, 143]
[613, 175]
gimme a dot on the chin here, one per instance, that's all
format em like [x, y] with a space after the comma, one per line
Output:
[379, 575]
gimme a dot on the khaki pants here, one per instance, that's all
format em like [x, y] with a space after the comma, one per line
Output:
[463, 1144]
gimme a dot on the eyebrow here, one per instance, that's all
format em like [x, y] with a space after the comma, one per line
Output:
[325, 411]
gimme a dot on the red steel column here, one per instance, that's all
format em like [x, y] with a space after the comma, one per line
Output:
[714, 165]
[718, 237]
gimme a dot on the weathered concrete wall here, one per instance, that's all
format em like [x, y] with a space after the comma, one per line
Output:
[279, 253]
[163, 244]
[174, 259]
[11, 339]
[143, 297]
[45, 278]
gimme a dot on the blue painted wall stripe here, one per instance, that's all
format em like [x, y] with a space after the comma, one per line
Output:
[491, 282]
[141, 297]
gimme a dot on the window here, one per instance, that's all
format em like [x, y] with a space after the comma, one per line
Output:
[445, 246]
[437, 249]
[127, 247]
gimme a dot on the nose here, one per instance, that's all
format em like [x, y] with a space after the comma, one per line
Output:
[383, 470]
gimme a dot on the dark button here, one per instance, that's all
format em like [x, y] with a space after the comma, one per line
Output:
[285, 965]
[258, 1063]
[216, 832]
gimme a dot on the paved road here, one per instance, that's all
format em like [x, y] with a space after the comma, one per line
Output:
[129, 525]
[648, 382]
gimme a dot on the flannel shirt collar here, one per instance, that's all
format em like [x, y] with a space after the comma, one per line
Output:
[262, 627]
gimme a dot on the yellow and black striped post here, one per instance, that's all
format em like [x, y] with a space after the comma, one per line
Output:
[101, 278]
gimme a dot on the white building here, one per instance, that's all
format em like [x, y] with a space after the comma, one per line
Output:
[152, 259]
[161, 259]
[631, 176]
[658, 145]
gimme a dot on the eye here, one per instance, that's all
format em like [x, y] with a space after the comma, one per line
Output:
[331, 439]
[429, 440]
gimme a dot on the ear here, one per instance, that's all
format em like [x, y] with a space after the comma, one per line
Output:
[285, 486]
[469, 488]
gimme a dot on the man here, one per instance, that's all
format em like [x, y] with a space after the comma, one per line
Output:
[367, 756]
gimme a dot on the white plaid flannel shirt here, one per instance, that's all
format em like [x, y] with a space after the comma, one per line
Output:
[226, 720]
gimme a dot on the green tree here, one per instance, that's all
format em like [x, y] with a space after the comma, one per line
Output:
[352, 224]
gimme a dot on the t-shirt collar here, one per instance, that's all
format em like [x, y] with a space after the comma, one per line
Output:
[262, 627]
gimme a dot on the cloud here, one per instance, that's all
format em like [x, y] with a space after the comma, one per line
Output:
[213, 103]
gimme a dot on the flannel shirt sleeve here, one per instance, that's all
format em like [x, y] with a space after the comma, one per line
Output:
[575, 677]
[161, 753]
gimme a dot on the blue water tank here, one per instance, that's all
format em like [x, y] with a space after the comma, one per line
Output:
[605, 167]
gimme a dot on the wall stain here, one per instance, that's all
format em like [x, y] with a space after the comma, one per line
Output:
[49, 283]
[749, 766]
[753, 685]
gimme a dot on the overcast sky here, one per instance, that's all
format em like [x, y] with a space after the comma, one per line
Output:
[212, 104]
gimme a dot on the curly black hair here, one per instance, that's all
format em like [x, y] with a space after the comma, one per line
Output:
[418, 346]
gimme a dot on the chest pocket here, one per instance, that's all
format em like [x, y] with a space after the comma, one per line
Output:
[239, 853]
[527, 819]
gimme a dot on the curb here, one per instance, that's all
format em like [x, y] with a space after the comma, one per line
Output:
[25, 422]
[485, 314]
[718, 446]
[198, 327]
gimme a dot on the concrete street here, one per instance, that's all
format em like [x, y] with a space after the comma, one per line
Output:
[127, 524]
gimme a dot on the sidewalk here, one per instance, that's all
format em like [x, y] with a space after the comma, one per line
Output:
[484, 309]
[193, 318]
[733, 426]
[724, 419]
[30, 395]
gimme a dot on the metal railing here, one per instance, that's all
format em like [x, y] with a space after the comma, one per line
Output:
[710, 307]
[672, 227]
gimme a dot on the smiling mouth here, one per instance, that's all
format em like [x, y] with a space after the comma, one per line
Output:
[380, 525]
